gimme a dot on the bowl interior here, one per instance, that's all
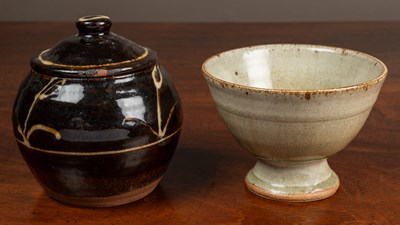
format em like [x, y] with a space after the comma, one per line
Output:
[294, 67]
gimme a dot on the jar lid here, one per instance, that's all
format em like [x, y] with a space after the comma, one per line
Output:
[94, 52]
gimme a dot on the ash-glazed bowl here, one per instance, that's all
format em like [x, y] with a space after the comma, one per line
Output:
[293, 106]
[97, 119]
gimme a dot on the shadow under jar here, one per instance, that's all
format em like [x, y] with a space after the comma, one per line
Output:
[97, 119]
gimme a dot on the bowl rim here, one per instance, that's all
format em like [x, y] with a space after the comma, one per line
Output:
[363, 85]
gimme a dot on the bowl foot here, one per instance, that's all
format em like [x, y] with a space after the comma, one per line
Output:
[115, 200]
[301, 181]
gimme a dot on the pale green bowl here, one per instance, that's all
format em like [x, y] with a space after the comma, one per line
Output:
[293, 106]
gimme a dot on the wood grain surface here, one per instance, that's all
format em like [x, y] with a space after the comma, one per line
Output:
[205, 181]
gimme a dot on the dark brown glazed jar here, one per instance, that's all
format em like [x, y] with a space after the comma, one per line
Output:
[97, 119]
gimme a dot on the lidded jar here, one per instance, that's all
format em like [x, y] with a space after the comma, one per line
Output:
[97, 119]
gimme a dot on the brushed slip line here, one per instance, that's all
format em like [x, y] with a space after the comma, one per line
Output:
[49, 63]
[100, 153]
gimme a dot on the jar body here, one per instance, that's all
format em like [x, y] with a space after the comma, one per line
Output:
[98, 141]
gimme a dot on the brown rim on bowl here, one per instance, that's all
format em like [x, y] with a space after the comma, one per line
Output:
[363, 85]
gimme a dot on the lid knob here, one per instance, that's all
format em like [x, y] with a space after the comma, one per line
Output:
[95, 24]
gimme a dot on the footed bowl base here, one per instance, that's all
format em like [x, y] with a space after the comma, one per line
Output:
[292, 181]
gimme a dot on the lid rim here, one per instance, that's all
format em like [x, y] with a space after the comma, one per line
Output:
[62, 74]
[86, 71]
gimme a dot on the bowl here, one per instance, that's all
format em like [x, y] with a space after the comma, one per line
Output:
[293, 106]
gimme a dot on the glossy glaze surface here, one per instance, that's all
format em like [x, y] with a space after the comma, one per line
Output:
[97, 136]
[290, 118]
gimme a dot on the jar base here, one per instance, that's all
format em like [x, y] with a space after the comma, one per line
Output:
[110, 201]
[292, 182]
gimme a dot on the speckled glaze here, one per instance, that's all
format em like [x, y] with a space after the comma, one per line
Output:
[293, 106]
[97, 119]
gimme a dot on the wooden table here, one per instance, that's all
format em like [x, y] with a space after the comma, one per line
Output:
[205, 181]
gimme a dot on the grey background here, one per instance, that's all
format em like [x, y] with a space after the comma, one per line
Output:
[202, 11]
